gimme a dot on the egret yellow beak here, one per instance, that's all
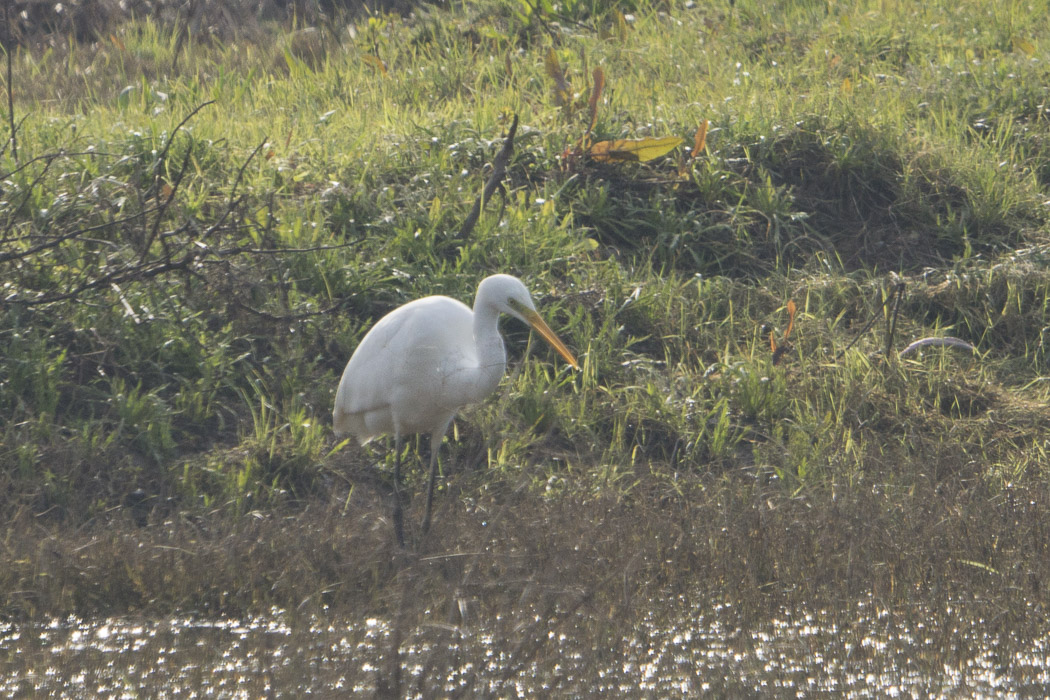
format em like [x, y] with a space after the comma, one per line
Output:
[537, 322]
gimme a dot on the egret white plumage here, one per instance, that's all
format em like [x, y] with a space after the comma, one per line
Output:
[424, 361]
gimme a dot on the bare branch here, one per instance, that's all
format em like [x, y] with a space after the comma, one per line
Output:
[98, 257]
[244, 166]
[171, 139]
[53, 156]
[891, 322]
[164, 206]
[282, 251]
[234, 201]
[54, 242]
[499, 169]
[124, 274]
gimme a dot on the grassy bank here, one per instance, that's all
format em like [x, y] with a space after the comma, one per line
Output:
[196, 234]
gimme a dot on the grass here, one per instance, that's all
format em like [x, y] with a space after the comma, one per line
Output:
[189, 256]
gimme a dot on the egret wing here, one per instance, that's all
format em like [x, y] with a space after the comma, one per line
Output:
[393, 378]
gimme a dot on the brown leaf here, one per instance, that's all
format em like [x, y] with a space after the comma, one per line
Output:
[700, 139]
[562, 90]
[375, 62]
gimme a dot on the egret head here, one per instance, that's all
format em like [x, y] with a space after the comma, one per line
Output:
[510, 296]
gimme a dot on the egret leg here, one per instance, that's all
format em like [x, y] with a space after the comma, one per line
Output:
[398, 518]
[435, 447]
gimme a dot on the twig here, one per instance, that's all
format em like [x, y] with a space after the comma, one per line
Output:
[54, 242]
[136, 272]
[146, 269]
[171, 139]
[182, 22]
[897, 295]
[283, 251]
[185, 246]
[52, 156]
[244, 166]
[165, 204]
[542, 20]
[30, 190]
[234, 201]
[286, 318]
[865, 329]
[891, 320]
[499, 169]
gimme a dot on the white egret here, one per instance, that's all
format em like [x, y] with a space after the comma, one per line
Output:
[424, 361]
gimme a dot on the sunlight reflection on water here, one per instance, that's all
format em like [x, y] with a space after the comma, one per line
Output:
[866, 651]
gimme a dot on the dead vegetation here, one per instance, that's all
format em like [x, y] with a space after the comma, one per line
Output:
[905, 535]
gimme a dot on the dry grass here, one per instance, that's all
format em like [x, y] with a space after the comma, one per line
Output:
[912, 538]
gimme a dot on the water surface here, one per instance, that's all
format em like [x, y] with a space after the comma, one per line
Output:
[688, 650]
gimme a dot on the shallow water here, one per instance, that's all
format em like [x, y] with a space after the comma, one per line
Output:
[858, 651]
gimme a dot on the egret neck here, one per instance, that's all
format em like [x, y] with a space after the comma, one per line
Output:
[491, 355]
